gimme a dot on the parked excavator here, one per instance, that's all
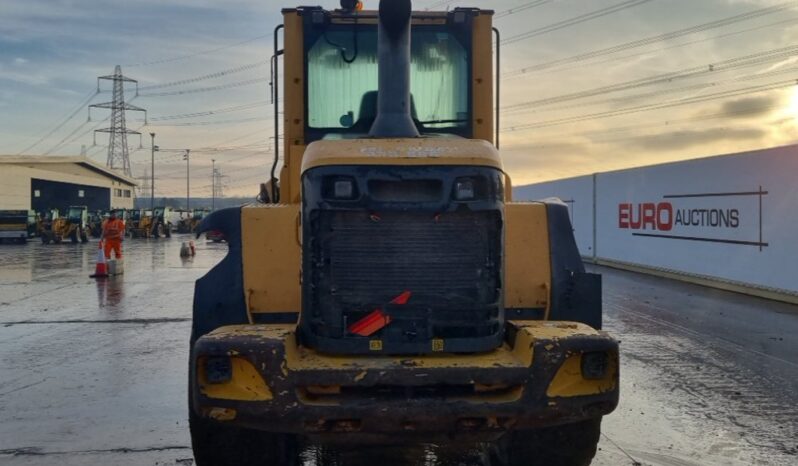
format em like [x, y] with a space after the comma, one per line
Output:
[388, 289]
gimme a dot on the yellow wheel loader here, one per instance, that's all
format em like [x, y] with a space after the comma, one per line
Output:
[73, 226]
[140, 223]
[389, 290]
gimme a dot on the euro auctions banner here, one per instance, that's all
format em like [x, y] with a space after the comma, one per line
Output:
[731, 218]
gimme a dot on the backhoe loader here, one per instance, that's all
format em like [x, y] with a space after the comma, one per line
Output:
[388, 289]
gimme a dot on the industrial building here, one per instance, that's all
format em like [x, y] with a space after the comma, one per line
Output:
[56, 182]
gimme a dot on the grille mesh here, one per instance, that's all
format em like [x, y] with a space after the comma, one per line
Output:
[450, 260]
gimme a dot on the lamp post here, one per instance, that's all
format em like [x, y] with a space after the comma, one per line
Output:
[152, 171]
[213, 184]
[187, 158]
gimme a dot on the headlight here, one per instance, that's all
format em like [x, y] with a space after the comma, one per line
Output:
[464, 189]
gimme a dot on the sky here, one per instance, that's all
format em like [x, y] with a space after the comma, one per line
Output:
[587, 85]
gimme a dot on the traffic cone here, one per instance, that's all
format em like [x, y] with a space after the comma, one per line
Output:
[101, 269]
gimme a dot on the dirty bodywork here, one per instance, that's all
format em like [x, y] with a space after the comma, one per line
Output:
[276, 384]
[392, 290]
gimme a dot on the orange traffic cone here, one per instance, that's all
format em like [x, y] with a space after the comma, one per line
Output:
[101, 269]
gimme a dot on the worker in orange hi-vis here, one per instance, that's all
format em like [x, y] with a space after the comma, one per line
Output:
[113, 232]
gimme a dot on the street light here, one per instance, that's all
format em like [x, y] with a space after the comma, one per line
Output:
[187, 158]
[213, 184]
[152, 170]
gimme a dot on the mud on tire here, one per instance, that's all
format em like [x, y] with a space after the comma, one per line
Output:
[565, 445]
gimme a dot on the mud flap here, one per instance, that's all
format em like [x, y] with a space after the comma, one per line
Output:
[219, 295]
[575, 294]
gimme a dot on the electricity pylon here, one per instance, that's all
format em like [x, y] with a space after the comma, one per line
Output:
[118, 156]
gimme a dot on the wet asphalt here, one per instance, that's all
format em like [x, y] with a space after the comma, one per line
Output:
[94, 372]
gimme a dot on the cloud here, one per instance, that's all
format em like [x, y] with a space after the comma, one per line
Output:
[20, 61]
[677, 140]
[749, 106]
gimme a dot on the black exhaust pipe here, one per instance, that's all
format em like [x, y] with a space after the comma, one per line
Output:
[394, 119]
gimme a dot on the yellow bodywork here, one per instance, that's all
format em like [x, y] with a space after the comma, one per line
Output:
[568, 381]
[294, 80]
[247, 384]
[272, 233]
[272, 257]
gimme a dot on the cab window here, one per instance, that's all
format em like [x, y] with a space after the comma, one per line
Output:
[342, 81]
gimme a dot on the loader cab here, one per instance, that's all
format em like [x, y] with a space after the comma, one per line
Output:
[341, 58]
[406, 224]
[330, 80]
[78, 215]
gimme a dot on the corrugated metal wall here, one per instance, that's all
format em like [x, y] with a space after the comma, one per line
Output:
[46, 195]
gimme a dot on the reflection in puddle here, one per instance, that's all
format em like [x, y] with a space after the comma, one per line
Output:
[422, 455]
[110, 292]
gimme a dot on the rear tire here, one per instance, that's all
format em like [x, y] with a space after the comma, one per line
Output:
[215, 444]
[565, 445]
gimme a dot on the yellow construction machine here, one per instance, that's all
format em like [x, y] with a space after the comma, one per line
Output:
[140, 223]
[388, 289]
[192, 220]
[73, 226]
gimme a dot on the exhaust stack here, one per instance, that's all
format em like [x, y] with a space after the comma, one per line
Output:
[393, 50]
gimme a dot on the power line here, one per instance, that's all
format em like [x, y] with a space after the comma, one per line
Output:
[440, 4]
[658, 106]
[520, 8]
[212, 123]
[215, 75]
[654, 39]
[575, 20]
[236, 108]
[516, 74]
[747, 110]
[666, 78]
[206, 89]
[694, 87]
[196, 54]
[64, 121]
[62, 141]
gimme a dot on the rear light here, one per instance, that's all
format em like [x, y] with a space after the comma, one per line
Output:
[218, 369]
[340, 188]
[464, 189]
[595, 365]
[344, 189]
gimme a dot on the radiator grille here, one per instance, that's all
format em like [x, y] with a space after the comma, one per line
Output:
[378, 256]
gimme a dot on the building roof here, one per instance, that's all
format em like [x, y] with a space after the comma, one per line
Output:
[84, 162]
